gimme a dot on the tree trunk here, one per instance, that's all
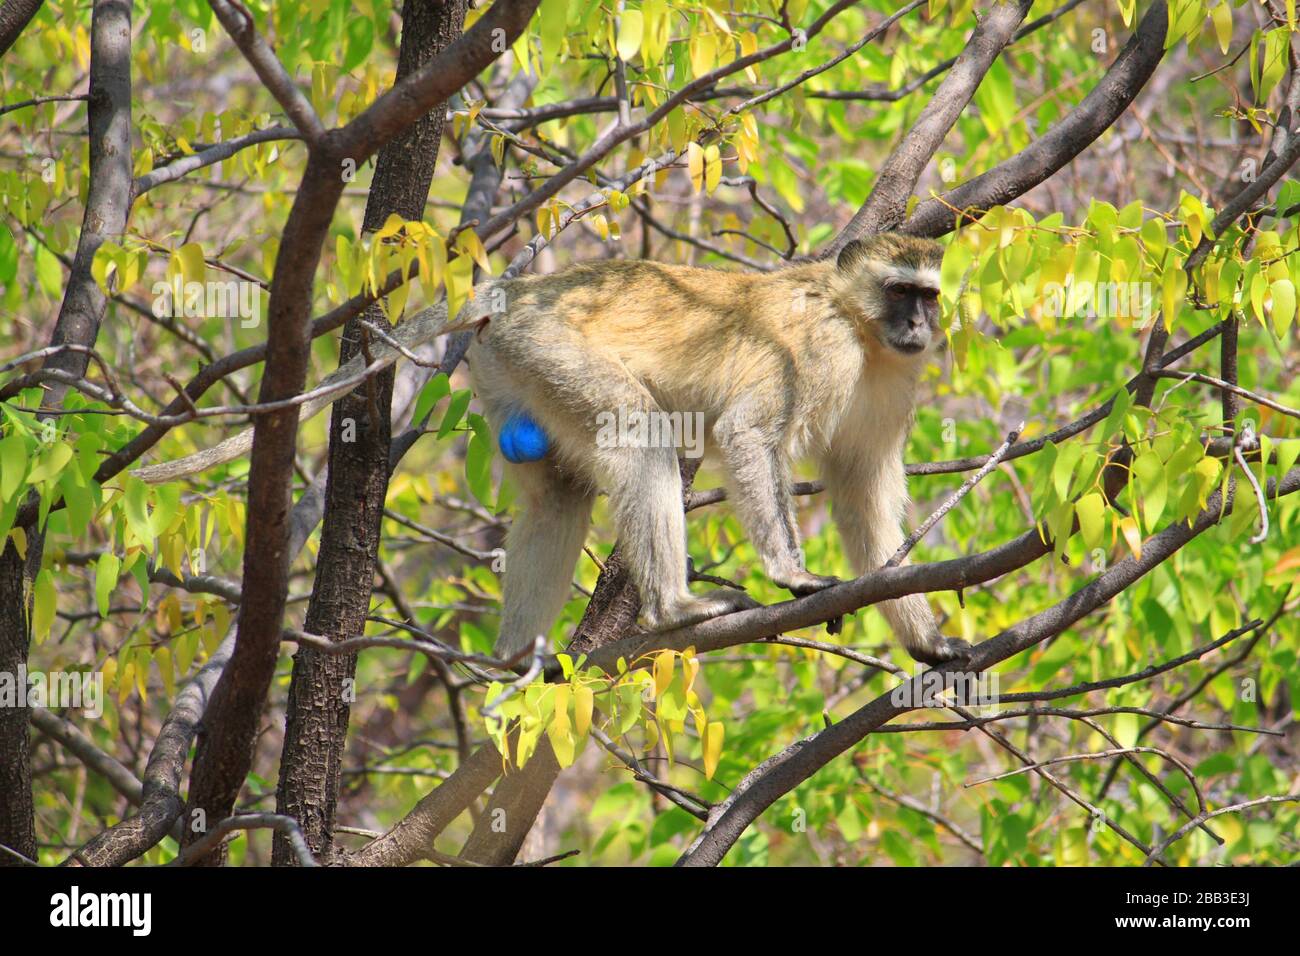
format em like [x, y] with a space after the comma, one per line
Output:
[360, 435]
[108, 202]
[517, 803]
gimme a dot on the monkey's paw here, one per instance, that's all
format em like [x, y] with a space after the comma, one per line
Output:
[803, 583]
[937, 649]
[693, 609]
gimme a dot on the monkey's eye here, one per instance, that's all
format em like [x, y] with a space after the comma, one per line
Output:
[898, 291]
[929, 295]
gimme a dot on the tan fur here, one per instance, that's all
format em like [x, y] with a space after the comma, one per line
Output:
[802, 362]
[782, 365]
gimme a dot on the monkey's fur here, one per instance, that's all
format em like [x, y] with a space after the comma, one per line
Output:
[820, 359]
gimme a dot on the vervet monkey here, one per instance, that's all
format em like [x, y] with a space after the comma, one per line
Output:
[819, 359]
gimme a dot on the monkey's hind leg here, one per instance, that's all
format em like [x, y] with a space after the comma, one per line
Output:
[542, 548]
[575, 391]
[645, 493]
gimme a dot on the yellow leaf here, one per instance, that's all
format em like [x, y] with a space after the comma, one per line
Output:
[563, 744]
[166, 669]
[1283, 305]
[109, 670]
[704, 53]
[584, 702]
[530, 730]
[125, 681]
[1222, 15]
[691, 669]
[695, 163]
[630, 30]
[1072, 847]
[713, 168]
[104, 264]
[748, 47]
[663, 671]
[655, 34]
[193, 268]
[713, 735]
[392, 225]
[1132, 536]
[560, 713]
[459, 281]
[468, 242]
[1173, 288]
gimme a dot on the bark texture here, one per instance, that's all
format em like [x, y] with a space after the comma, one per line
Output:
[360, 438]
[108, 201]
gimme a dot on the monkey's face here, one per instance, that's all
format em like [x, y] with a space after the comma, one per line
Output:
[893, 282]
[910, 304]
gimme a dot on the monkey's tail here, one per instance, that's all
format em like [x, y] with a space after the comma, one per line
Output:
[424, 326]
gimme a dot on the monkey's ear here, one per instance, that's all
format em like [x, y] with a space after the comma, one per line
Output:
[852, 253]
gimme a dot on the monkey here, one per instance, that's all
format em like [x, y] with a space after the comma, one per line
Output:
[821, 359]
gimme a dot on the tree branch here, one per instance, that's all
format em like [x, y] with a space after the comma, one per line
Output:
[887, 204]
[1092, 117]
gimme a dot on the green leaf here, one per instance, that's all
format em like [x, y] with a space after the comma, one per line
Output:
[1125, 729]
[50, 463]
[1091, 511]
[551, 29]
[850, 822]
[1222, 15]
[78, 501]
[13, 465]
[1155, 236]
[1150, 474]
[190, 257]
[106, 571]
[1066, 460]
[44, 603]
[360, 38]
[1115, 420]
[434, 391]
[48, 271]
[455, 411]
[478, 470]
[136, 506]
[8, 255]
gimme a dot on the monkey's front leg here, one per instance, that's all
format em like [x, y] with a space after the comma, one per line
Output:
[868, 499]
[761, 497]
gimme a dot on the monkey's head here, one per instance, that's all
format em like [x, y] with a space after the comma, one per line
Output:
[893, 280]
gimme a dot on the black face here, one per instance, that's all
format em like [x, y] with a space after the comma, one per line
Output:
[912, 316]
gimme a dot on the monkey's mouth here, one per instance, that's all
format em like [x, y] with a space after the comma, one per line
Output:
[909, 346]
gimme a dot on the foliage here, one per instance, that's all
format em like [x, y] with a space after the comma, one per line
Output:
[1035, 328]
